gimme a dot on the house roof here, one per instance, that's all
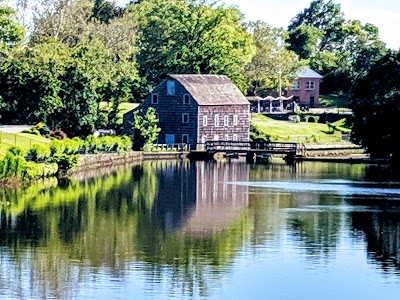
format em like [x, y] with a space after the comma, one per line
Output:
[306, 72]
[211, 89]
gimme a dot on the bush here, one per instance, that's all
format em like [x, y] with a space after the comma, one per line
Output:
[39, 152]
[12, 165]
[65, 162]
[34, 170]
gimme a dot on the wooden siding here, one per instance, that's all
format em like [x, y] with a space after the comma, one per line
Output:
[242, 129]
[170, 108]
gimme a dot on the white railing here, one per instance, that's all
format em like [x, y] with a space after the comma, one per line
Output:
[166, 148]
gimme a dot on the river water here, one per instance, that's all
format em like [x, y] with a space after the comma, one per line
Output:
[205, 230]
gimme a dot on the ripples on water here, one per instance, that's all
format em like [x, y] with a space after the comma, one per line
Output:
[185, 230]
[341, 187]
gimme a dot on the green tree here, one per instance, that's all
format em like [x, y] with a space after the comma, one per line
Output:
[105, 11]
[30, 82]
[11, 32]
[325, 16]
[304, 41]
[191, 37]
[144, 128]
[341, 50]
[271, 58]
[376, 110]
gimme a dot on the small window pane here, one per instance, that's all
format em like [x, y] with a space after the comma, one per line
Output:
[235, 120]
[216, 120]
[205, 121]
[226, 120]
[186, 99]
[185, 118]
[170, 87]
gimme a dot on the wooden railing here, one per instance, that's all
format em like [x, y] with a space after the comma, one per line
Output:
[167, 148]
[244, 146]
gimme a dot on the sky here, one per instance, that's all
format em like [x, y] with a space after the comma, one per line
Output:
[384, 14]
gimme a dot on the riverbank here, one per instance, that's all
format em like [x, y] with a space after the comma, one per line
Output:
[108, 160]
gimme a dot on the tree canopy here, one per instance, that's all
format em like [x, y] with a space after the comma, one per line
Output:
[341, 50]
[375, 104]
[11, 32]
[191, 37]
[270, 60]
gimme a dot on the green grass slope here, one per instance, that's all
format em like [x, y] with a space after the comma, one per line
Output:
[303, 132]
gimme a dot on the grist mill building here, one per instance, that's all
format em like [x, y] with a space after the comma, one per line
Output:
[193, 109]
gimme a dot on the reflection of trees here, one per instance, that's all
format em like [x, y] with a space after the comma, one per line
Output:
[382, 233]
[201, 222]
[318, 231]
[152, 212]
[382, 173]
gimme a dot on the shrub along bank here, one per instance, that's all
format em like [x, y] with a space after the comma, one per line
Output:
[56, 158]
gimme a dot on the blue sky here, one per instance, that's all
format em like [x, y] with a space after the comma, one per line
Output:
[384, 14]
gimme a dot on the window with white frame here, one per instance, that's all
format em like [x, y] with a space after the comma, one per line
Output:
[235, 137]
[216, 137]
[310, 85]
[216, 121]
[226, 120]
[226, 137]
[185, 118]
[186, 98]
[171, 87]
[295, 85]
[154, 98]
[235, 120]
[185, 138]
[205, 120]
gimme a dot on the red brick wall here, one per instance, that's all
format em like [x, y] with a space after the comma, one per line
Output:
[304, 94]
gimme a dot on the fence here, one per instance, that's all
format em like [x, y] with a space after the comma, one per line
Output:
[12, 139]
[166, 148]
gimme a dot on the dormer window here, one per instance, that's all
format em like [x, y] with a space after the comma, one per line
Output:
[171, 87]
[186, 99]
[154, 98]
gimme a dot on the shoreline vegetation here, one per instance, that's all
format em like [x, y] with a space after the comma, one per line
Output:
[60, 156]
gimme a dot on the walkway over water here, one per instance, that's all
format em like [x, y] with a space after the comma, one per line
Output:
[260, 149]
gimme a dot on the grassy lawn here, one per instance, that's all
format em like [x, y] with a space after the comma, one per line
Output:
[333, 101]
[123, 108]
[303, 132]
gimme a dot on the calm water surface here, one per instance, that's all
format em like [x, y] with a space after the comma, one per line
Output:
[205, 230]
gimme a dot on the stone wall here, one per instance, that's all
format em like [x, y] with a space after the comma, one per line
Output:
[103, 160]
[111, 160]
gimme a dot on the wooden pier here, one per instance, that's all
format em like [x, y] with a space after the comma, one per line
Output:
[256, 151]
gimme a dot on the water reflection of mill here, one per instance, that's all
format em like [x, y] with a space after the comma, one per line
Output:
[202, 202]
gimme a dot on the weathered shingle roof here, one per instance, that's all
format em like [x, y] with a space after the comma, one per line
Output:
[211, 89]
[306, 72]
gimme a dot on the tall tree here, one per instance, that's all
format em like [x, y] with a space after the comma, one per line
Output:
[30, 82]
[340, 50]
[191, 37]
[105, 11]
[271, 60]
[304, 41]
[325, 16]
[376, 109]
[11, 32]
